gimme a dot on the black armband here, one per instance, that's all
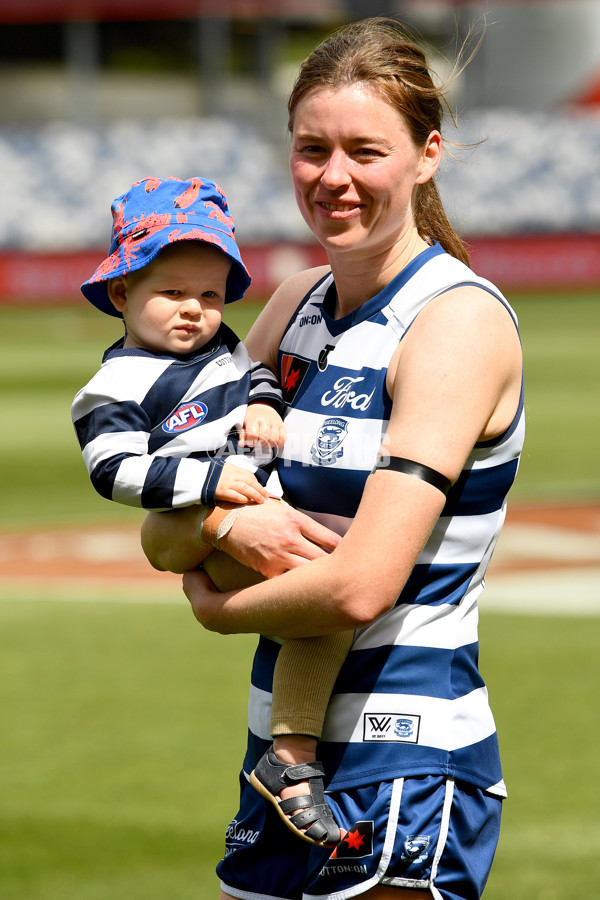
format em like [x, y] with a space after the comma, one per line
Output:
[418, 470]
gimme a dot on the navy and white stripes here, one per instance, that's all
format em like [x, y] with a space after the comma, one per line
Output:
[155, 429]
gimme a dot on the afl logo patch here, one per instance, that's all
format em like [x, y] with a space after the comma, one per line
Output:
[187, 416]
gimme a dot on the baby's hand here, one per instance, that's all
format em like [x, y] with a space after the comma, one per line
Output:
[262, 425]
[237, 485]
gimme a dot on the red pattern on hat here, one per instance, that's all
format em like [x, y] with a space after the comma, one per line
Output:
[190, 195]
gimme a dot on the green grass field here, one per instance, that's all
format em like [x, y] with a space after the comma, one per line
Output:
[122, 729]
[122, 724]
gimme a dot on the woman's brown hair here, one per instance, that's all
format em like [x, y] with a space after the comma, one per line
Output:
[381, 53]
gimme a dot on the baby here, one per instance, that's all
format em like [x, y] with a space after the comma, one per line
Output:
[178, 415]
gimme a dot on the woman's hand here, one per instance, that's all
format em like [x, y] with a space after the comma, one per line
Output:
[273, 537]
[206, 600]
[269, 537]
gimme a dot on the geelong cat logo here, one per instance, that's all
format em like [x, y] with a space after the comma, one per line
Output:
[187, 416]
[326, 448]
[415, 847]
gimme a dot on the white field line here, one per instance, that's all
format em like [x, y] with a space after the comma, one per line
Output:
[91, 546]
[560, 592]
[547, 542]
[571, 589]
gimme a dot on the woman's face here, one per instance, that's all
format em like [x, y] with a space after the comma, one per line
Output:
[355, 168]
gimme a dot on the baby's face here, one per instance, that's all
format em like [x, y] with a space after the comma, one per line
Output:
[175, 304]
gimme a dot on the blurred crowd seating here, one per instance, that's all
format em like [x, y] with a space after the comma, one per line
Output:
[511, 172]
[524, 172]
[60, 179]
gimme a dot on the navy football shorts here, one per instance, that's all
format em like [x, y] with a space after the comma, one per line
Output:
[427, 833]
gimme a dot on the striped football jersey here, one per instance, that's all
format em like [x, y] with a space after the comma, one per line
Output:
[409, 698]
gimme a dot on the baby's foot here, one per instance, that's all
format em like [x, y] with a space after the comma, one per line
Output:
[295, 750]
[296, 790]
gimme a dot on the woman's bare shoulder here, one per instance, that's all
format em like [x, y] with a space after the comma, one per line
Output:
[292, 290]
[266, 333]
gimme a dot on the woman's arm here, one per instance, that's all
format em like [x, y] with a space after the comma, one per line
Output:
[348, 589]
[456, 379]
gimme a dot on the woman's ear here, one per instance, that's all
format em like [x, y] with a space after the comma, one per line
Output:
[431, 156]
[117, 292]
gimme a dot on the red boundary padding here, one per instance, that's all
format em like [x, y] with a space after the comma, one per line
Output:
[530, 262]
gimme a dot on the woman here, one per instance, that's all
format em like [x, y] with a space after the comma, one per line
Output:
[395, 358]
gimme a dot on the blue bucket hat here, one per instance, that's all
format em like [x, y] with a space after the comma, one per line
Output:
[155, 213]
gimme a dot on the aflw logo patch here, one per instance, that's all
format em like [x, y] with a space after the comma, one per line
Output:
[293, 370]
[356, 843]
[187, 416]
[391, 727]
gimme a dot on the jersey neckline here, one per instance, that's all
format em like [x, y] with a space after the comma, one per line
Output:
[376, 303]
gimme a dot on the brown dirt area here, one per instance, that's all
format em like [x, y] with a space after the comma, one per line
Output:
[534, 537]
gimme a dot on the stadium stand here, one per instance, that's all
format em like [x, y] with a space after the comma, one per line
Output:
[513, 173]
[533, 172]
[59, 178]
